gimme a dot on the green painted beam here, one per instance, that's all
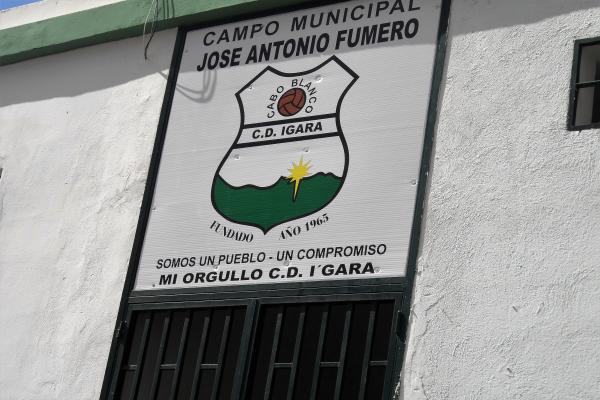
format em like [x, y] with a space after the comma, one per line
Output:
[117, 21]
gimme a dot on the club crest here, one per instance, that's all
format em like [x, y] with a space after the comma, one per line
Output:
[290, 158]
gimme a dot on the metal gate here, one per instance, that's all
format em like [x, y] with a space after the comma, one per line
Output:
[273, 349]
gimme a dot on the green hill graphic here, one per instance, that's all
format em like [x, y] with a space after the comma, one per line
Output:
[273, 205]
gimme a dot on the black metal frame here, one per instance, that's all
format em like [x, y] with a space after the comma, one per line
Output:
[576, 85]
[253, 314]
[400, 289]
[394, 339]
[174, 306]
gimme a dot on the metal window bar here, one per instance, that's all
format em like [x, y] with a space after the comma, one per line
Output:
[222, 349]
[318, 363]
[395, 343]
[581, 85]
[340, 366]
[159, 358]
[242, 360]
[180, 352]
[296, 354]
[274, 354]
[200, 357]
[367, 356]
[140, 358]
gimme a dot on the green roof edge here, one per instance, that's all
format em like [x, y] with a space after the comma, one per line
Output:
[117, 21]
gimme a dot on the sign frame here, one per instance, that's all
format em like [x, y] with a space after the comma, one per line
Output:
[160, 298]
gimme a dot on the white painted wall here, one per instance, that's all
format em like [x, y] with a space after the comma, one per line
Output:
[507, 301]
[46, 9]
[76, 133]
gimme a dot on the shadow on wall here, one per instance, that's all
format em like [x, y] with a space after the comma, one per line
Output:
[209, 85]
[481, 15]
[84, 70]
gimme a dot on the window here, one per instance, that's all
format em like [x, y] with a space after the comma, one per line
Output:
[585, 87]
[182, 354]
[326, 351]
[311, 350]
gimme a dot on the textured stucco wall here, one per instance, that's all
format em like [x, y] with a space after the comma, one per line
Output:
[507, 300]
[76, 133]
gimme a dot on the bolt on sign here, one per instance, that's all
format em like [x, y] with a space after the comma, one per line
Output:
[293, 147]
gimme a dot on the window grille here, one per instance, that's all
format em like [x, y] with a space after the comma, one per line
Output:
[183, 354]
[321, 351]
[295, 351]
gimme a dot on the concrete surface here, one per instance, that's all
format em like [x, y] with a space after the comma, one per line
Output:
[76, 133]
[507, 300]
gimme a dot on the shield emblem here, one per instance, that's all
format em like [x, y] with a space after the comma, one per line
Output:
[290, 158]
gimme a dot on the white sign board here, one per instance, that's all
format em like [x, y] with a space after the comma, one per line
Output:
[293, 148]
